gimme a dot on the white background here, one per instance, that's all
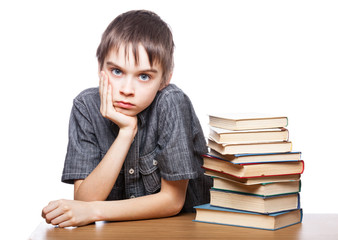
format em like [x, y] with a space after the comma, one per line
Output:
[275, 57]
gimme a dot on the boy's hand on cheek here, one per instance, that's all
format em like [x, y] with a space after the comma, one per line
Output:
[128, 123]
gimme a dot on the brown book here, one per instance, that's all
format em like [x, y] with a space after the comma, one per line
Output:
[217, 215]
[253, 169]
[254, 203]
[265, 189]
[220, 135]
[247, 121]
[270, 147]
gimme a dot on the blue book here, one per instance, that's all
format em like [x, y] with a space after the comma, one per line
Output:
[218, 215]
[256, 157]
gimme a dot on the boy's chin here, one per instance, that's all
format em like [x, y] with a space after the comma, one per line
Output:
[126, 112]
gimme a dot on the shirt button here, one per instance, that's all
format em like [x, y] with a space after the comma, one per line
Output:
[154, 162]
[131, 171]
[132, 196]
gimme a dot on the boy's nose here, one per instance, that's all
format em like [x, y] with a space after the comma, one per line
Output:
[127, 87]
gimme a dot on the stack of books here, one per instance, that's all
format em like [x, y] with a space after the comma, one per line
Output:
[256, 175]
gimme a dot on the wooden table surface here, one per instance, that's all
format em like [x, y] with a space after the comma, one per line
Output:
[314, 226]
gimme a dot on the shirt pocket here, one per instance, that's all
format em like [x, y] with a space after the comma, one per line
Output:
[150, 173]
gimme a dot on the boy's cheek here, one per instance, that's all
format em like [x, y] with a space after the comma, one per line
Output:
[113, 85]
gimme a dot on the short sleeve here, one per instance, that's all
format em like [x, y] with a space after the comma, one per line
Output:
[181, 140]
[83, 153]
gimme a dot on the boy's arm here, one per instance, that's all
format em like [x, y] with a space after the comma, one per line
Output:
[101, 180]
[98, 184]
[168, 202]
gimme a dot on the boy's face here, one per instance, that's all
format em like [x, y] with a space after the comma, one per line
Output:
[134, 86]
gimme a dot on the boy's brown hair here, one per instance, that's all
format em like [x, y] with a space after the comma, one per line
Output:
[140, 27]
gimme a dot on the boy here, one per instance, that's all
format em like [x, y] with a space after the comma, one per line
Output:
[135, 143]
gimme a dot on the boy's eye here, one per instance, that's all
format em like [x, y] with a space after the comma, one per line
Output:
[144, 77]
[116, 72]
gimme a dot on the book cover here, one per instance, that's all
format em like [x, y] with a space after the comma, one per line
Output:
[221, 135]
[253, 180]
[269, 147]
[257, 157]
[263, 189]
[254, 203]
[217, 215]
[251, 170]
[247, 121]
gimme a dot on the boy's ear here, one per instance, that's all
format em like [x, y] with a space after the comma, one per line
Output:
[169, 78]
[166, 83]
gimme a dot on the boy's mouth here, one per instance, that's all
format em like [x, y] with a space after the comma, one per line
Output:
[125, 105]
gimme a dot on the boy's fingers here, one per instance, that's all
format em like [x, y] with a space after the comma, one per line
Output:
[100, 85]
[100, 91]
[67, 223]
[50, 207]
[57, 220]
[101, 78]
[104, 96]
[109, 98]
[51, 216]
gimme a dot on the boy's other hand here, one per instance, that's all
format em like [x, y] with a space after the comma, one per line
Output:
[68, 213]
[107, 109]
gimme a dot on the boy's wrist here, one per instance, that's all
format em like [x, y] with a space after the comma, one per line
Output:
[102, 210]
[128, 132]
[97, 213]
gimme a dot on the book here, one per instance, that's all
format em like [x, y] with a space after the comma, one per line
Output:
[251, 181]
[270, 147]
[217, 215]
[247, 121]
[257, 157]
[254, 203]
[253, 169]
[263, 189]
[220, 135]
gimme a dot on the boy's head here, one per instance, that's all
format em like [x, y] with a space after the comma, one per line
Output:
[143, 27]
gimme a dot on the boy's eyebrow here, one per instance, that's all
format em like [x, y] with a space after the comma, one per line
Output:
[109, 63]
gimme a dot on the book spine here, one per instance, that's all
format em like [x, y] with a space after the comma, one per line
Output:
[303, 166]
[287, 121]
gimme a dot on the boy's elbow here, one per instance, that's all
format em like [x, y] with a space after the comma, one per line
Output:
[174, 209]
[174, 206]
[174, 193]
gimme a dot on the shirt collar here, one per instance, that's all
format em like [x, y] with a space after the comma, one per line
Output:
[143, 116]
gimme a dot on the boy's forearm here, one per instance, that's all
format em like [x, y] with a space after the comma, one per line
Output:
[151, 206]
[99, 183]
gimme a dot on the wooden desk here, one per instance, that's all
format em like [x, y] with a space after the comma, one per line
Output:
[314, 226]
